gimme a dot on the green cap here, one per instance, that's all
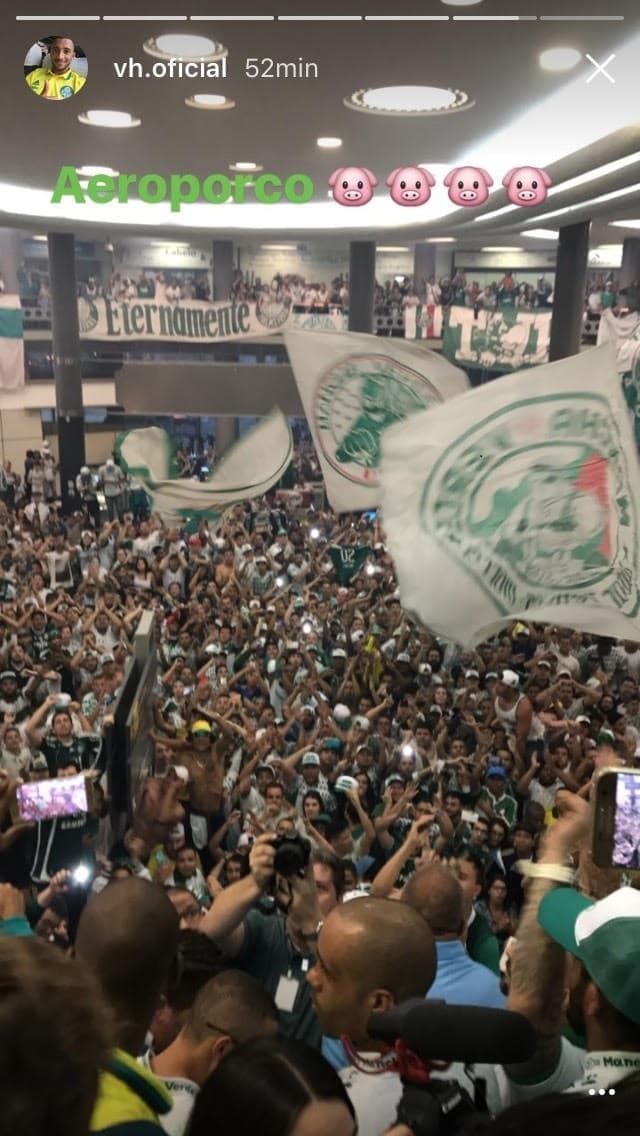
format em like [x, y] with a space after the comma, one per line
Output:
[605, 936]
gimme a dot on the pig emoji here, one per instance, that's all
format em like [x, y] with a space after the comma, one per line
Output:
[352, 185]
[468, 186]
[410, 185]
[526, 185]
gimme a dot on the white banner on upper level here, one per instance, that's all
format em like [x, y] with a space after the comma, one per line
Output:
[193, 321]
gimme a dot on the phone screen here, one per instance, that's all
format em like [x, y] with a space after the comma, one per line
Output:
[58, 797]
[626, 821]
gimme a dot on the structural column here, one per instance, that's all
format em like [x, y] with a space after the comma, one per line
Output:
[630, 271]
[227, 428]
[362, 284]
[444, 261]
[424, 265]
[568, 293]
[10, 259]
[66, 362]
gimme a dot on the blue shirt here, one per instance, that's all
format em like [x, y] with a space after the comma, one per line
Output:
[462, 982]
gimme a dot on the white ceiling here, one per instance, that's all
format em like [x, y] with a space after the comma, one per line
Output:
[276, 122]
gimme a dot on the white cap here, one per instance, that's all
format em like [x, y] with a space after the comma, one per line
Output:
[341, 712]
[361, 723]
[510, 678]
[339, 653]
[471, 674]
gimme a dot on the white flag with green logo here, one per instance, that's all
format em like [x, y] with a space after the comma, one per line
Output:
[423, 321]
[624, 333]
[250, 468]
[353, 387]
[520, 500]
[11, 344]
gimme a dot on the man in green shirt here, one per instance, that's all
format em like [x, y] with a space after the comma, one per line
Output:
[494, 800]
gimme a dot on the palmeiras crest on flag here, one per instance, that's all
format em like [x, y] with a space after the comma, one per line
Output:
[358, 398]
[534, 502]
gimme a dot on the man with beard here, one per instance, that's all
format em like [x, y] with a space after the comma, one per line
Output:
[58, 81]
[566, 940]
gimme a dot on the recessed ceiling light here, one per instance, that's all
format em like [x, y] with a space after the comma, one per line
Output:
[39, 237]
[95, 171]
[408, 100]
[244, 167]
[559, 59]
[392, 248]
[210, 102]
[277, 248]
[542, 234]
[329, 143]
[501, 248]
[461, 3]
[441, 240]
[625, 224]
[168, 241]
[118, 119]
[200, 49]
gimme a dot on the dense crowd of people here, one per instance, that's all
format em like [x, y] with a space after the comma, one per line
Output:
[343, 813]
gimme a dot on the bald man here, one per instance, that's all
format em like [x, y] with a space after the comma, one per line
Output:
[436, 893]
[372, 954]
[128, 938]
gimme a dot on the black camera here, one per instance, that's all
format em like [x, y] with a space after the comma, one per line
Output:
[292, 855]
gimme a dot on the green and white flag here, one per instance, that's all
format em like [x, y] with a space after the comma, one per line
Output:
[11, 344]
[249, 469]
[519, 500]
[505, 340]
[353, 387]
[624, 333]
[347, 560]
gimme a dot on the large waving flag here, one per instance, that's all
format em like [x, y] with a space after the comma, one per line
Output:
[624, 333]
[353, 387]
[11, 343]
[519, 500]
[249, 469]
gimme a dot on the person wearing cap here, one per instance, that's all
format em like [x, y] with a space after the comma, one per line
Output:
[567, 942]
[494, 800]
[515, 711]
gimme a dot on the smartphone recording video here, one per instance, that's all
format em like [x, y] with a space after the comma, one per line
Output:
[58, 797]
[616, 837]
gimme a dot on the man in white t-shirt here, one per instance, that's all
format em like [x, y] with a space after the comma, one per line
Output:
[568, 941]
[233, 1007]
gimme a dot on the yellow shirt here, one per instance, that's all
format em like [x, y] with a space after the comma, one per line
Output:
[44, 82]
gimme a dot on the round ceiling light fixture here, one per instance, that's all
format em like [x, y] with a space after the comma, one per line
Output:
[408, 101]
[210, 102]
[559, 59]
[245, 167]
[188, 48]
[329, 143]
[461, 3]
[116, 119]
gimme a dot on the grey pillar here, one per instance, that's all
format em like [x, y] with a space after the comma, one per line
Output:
[362, 284]
[424, 265]
[227, 433]
[227, 429]
[222, 269]
[66, 361]
[10, 258]
[568, 294]
[444, 261]
[630, 269]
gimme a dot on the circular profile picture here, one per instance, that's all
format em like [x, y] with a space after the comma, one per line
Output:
[55, 67]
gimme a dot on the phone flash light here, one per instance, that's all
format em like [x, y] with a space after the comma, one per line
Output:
[80, 875]
[370, 569]
[314, 534]
[280, 581]
[407, 751]
[306, 627]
